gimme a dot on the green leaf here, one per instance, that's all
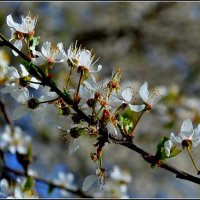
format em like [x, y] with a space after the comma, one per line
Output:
[34, 42]
[160, 151]
[125, 123]
[29, 153]
[28, 184]
[174, 151]
[31, 68]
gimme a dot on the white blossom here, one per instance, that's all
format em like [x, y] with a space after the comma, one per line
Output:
[187, 132]
[127, 95]
[82, 57]
[27, 26]
[15, 85]
[86, 59]
[50, 53]
[73, 54]
[149, 98]
[29, 106]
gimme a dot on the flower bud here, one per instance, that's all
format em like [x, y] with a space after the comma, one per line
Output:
[72, 63]
[76, 132]
[65, 111]
[23, 81]
[91, 102]
[94, 156]
[187, 143]
[33, 103]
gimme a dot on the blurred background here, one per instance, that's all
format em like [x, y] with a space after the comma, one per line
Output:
[158, 42]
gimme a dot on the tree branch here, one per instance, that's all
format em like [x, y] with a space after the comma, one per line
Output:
[48, 82]
[146, 156]
[6, 115]
[151, 160]
[48, 182]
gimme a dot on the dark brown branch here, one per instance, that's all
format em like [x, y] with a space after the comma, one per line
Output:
[146, 156]
[6, 114]
[151, 159]
[46, 81]
[48, 182]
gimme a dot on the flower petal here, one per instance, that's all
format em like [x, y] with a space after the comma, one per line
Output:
[175, 139]
[186, 129]
[115, 101]
[85, 93]
[46, 47]
[18, 193]
[39, 61]
[24, 72]
[4, 185]
[34, 85]
[91, 83]
[196, 136]
[18, 45]
[167, 146]
[97, 69]
[85, 58]
[12, 73]
[144, 93]
[88, 182]
[127, 94]
[10, 21]
[154, 97]
[19, 112]
[20, 94]
[187, 126]
[136, 108]
[13, 24]
[61, 55]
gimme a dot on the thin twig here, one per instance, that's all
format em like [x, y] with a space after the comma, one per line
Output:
[47, 81]
[6, 115]
[48, 182]
[151, 159]
[147, 157]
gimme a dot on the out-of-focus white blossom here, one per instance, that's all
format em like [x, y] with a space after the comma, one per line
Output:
[122, 176]
[4, 58]
[16, 141]
[66, 180]
[101, 176]
[17, 190]
[114, 183]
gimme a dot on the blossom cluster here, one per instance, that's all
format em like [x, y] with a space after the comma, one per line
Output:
[96, 109]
